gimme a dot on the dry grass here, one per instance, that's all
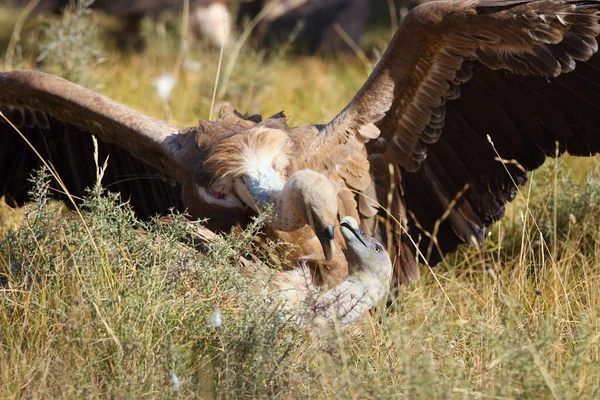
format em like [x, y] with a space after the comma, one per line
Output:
[124, 313]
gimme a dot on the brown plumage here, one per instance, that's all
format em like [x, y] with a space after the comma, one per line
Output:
[413, 141]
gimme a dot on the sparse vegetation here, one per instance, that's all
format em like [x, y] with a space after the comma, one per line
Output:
[97, 304]
[70, 46]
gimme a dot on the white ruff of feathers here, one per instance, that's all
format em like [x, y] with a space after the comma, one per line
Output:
[251, 153]
[259, 157]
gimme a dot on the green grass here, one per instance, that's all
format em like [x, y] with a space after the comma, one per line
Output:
[99, 305]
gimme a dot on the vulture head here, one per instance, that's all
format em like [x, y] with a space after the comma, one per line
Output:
[468, 97]
[254, 165]
[365, 254]
[369, 281]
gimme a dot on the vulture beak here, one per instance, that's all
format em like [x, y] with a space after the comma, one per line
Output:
[328, 242]
[351, 229]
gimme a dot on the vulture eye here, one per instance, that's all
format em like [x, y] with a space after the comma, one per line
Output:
[378, 248]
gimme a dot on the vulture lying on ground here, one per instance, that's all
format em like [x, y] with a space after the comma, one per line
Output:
[295, 293]
[303, 300]
[414, 143]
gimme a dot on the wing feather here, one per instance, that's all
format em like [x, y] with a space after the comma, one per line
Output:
[71, 154]
[32, 93]
[473, 94]
[59, 118]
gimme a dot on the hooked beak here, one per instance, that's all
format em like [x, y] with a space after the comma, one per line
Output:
[351, 228]
[327, 240]
[260, 190]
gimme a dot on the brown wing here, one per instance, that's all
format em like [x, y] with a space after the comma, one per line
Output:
[456, 72]
[59, 118]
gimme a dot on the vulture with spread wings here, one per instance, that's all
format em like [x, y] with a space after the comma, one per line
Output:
[463, 87]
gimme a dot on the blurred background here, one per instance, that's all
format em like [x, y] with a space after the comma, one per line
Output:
[310, 26]
[152, 53]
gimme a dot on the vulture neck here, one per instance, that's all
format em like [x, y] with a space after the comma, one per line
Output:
[349, 300]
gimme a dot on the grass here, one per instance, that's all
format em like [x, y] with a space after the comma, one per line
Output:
[124, 312]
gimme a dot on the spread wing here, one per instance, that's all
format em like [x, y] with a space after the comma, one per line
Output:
[522, 73]
[59, 118]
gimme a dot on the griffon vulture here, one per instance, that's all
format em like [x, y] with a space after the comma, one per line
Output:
[302, 299]
[370, 274]
[415, 140]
